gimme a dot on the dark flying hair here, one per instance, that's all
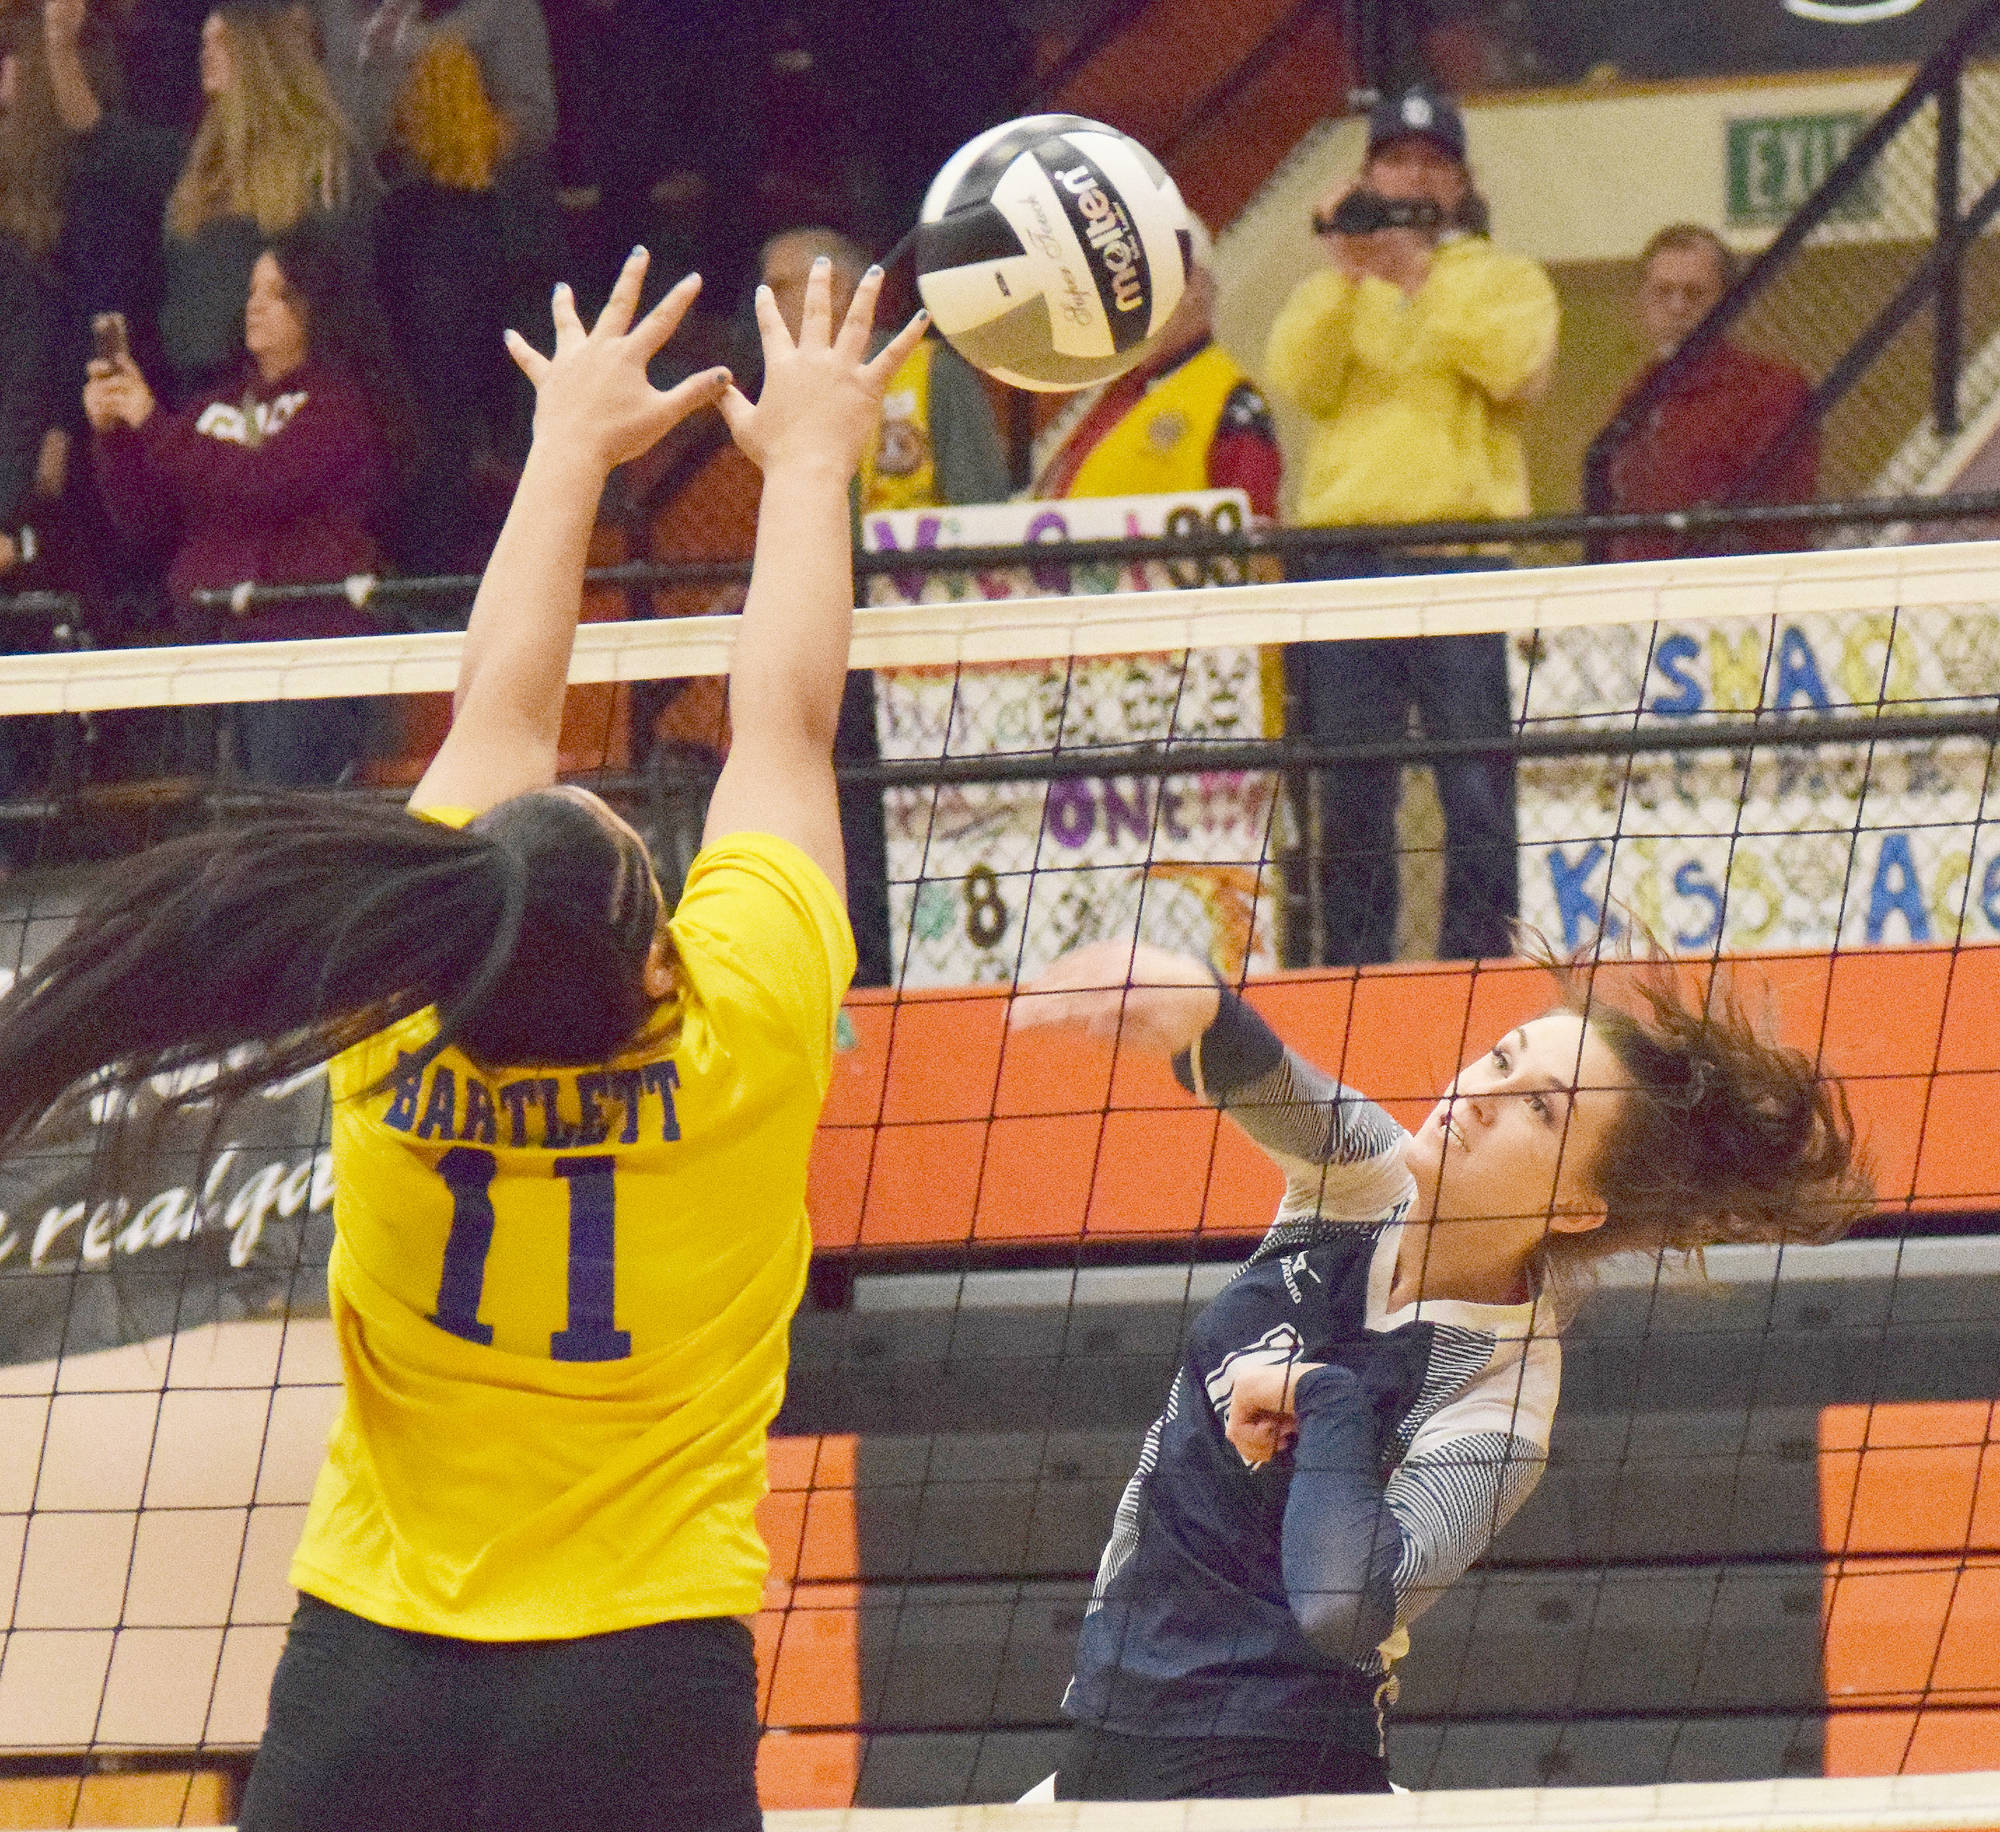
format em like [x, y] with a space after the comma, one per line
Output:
[272, 943]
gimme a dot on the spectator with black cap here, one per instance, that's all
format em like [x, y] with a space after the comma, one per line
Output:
[1415, 352]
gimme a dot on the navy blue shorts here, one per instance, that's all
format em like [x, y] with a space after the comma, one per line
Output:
[1104, 1764]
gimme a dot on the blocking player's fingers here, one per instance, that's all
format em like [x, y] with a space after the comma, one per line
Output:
[1098, 966]
[562, 308]
[771, 331]
[530, 361]
[1108, 1021]
[1029, 1009]
[893, 354]
[616, 318]
[816, 322]
[738, 415]
[690, 396]
[653, 330]
[852, 342]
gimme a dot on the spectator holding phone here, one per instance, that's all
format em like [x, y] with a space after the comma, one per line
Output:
[284, 477]
[270, 150]
[1415, 351]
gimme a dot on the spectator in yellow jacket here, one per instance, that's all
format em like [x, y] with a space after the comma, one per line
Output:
[1415, 352]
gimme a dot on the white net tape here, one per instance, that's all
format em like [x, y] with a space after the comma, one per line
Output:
[1901, 1803]
[1034, 629]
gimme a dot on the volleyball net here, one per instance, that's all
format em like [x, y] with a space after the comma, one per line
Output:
[1768, 1543]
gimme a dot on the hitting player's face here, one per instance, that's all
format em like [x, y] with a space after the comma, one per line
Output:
[1514, 1136]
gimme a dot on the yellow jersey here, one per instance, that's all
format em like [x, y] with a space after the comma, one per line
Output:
[562, 1296]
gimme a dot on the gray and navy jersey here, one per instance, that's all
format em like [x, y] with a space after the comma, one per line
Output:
[1271, 1601]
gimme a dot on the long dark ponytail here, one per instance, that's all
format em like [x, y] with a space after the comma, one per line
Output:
[269, 944]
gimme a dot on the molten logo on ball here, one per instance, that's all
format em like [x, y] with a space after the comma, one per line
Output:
[1108, 230]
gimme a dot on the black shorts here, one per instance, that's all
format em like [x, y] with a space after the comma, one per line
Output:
[397, 1732]
[1104, 1764]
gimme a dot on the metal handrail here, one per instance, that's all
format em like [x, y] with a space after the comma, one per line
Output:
[1938, 78]
[1195, 545]
[1207, 544]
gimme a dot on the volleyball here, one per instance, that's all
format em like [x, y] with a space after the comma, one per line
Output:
[1051, 250]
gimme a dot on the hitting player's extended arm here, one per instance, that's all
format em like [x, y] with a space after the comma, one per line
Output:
[1316, 1130]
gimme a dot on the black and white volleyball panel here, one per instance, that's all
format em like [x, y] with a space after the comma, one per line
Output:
[1051, 250]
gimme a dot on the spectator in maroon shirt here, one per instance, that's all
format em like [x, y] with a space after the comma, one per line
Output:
[1700, 443]
[286, 478]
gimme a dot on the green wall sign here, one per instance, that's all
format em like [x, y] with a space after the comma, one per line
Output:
[1776, 162]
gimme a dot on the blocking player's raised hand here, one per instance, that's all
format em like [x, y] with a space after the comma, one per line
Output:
[592, 393]
[822, 393]
[595, 408]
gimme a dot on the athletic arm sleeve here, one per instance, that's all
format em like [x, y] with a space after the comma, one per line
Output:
[1343, 1544]
[1311, 343]
[1449, 1505]
[1316, 1131]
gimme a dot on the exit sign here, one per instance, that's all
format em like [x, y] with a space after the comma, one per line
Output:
[1776, 162]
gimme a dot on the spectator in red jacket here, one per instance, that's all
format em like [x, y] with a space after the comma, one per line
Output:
[1701, 442]
[287, 477]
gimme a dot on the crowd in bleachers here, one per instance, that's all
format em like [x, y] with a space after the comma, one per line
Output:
[279, 241]
[254, 268]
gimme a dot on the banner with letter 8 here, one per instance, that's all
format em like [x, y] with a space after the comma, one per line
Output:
[1810, 847]
[987, 880]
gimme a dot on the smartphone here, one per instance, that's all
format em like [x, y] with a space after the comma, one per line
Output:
[109, 342]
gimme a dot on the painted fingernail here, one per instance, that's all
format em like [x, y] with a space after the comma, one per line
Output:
[821, 261]
[874, 271]
[638, 252]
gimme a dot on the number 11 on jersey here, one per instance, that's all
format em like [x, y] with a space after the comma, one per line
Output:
[592, 1334]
